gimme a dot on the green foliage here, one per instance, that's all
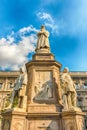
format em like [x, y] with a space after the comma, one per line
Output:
[8, 100]
[7, 103]
[15, 102]
[3, 110]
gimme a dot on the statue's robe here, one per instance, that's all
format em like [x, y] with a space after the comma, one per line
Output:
[21, 80]
[43, 41]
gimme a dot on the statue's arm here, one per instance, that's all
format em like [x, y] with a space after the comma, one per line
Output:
[25, 80]
[46, 33]
[39, 33]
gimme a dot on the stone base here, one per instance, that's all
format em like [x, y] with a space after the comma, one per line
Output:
[14, 121]
[69, 120]
[43, 108]
[73, 120]
[43, 50]
[72, 109]
[44, 121]
[43, 56]
[31, 121]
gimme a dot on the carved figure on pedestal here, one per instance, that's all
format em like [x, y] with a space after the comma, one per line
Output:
[68, 90]
[43, 91]
[19, 98]
[43, 41]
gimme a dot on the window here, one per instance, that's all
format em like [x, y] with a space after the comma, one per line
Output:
[85, 85]
[11, 86]
[0, 85]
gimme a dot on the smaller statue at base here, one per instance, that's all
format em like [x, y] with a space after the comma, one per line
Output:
[18, 98]
[68, 90]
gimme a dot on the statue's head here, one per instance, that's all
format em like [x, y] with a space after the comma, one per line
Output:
[23, 69]
[66, 69]
[42, 27]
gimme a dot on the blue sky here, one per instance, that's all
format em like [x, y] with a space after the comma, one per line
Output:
[66, 20]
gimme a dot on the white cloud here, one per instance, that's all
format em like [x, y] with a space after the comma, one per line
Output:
[12, 54]
[48, 21]
[10, 39]
[45, 16]
[27, 29]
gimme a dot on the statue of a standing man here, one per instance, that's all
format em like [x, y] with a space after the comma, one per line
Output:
[43, 41]
[19, 90]
[68, 87]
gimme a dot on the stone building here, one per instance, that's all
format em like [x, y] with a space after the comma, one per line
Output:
[7, 80]
[80, 79]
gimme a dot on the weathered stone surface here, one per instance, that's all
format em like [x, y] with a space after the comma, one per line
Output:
[73, 120]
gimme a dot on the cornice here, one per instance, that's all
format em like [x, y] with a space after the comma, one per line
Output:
[9, 74]
[43, 63]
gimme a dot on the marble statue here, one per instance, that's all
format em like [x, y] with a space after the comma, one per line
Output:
[68, 90]
[43, 41]
[81, 84]
[19, 91]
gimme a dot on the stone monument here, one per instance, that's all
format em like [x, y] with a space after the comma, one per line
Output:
[46, 106]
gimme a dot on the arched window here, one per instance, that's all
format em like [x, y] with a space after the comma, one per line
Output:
[1, 85]
[11, 85]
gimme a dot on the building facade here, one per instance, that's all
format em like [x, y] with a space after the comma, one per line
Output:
[7, 80]
[80, 80]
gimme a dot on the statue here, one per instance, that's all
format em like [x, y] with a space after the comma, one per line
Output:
[68, 88]
[19, 91]
[43, 41]
[81, 84]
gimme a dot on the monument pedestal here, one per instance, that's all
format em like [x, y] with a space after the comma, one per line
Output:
[14, 120]
[73, 120]
[43, 56]
[33, 108]
[43, 90]
[68, 120]
[47, 121]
